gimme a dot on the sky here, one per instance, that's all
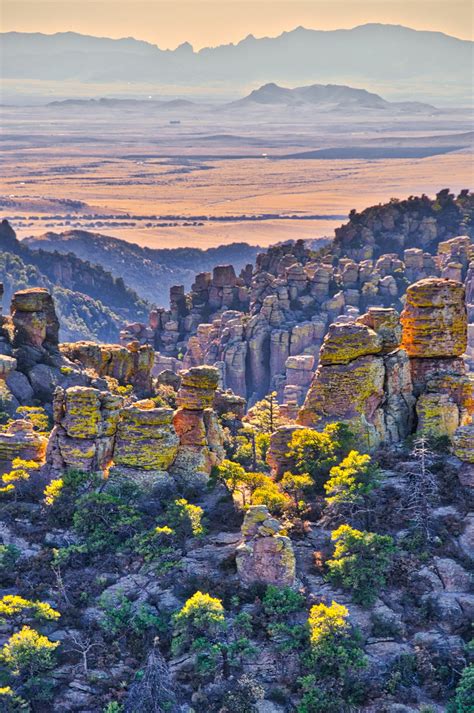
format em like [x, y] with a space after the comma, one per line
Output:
[168, 23]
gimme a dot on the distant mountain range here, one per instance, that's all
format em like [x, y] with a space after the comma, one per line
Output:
[409, 62]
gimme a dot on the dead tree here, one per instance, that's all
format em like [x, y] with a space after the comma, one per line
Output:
[422, 489]
[153, 693]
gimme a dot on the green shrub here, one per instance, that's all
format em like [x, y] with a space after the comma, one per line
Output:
[279, 602]
[353, 479]
[316, 452]
[104, 521]
[296, 486]
[9, 555]
[330, 683]
[122, 616]
[360, 562]
[14, 607]
[464, 697]
[185, 519]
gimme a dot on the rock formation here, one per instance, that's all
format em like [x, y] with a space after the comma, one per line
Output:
[85, 424]
[195, 422]
[286, 305]
[435, 337]
[265, 555]
[362, 380]
[94, 432]
[128, 365]
[19, 440]
[146, 439]
[32, 364]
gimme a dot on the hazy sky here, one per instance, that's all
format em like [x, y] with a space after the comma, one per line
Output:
[211, 22]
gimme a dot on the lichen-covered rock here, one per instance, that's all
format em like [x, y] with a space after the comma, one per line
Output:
[437, 415]
[346, 342]
[145, 438]
[385, 321]
[84, 432]
[265, 555]
[130, 364]
[463, 443]
[34, 318]
[351, 392]
[198, 387]
[21, 441]
[435, 319]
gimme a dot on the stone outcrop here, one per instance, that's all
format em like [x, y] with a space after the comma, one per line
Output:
[32, 365]
[85, 424]
[358, 384]
[265, 555]
[287, 303]
[19, 440]
[463, 443]
[435, 319]
[35, 324]
[277, 457]
[435, 336]
[128, 365]
[195, 422]
[145, 442]
[95, 432]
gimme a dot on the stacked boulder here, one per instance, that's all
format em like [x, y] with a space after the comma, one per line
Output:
[435, 338]
[20, 440]
[200, 436]
[265, 555]
[31, 365]
[85, 425]
[363, 379]
[95, 432]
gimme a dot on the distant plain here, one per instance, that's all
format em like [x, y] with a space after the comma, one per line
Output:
[220, 175]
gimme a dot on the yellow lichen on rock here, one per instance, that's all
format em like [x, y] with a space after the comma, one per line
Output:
[435, 319]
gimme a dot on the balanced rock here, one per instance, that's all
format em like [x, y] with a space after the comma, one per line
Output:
[346, 342]
[265, 555]
[34, 318]
[435, 319]
[19, 440]
[198, 387]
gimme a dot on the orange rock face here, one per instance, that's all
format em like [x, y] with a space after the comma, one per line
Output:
[434, 320]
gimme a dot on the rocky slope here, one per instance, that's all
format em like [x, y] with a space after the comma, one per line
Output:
[164, 551]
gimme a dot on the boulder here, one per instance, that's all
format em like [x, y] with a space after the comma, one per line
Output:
[346, 342]
[265, 555]
[19, 440]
